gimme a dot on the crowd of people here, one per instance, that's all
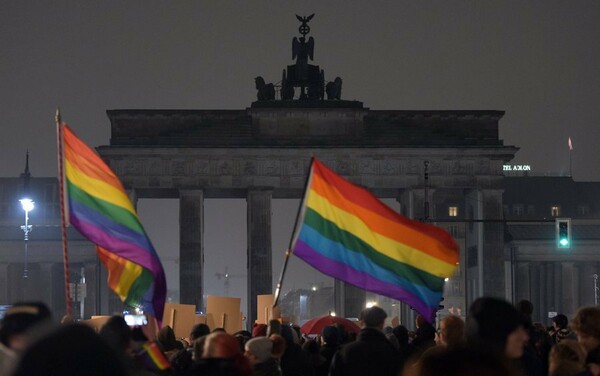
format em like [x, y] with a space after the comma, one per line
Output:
[496, 338]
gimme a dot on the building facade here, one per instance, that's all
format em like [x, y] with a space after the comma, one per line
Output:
[556, 280]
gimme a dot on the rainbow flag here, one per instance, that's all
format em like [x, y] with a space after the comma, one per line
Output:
[152, 357]
[347, 233]
[100, 209]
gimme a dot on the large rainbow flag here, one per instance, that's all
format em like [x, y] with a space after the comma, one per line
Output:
[345, 232]
[100, 209]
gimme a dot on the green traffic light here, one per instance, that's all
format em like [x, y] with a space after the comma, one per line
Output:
[564, 242]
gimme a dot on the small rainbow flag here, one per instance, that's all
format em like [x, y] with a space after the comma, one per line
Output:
[152, 357]
[100, 209]
[345, 232]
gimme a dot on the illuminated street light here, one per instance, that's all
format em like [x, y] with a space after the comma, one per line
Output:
[28, 205]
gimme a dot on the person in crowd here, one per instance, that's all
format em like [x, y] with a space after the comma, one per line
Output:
[404, 348]
[525, 307]
[540, 343]
[117, 334]
[127, 344]
[198, 347]
[274, 327]
[592, 361]
[560, 329]
[259, 330]
[459, 361]
[389, 334]
[69, 351]
[586, 325]
[567, 358]
[242, 337]
[451, 332]
[181, 362]
[259, 352]
[494, 326]
[318, 361]
[278, 346]
[294, 361]
[371, 353]
[220, 355]
[198, 331]
[535, 354]
[330, 344]
[298, 337]
[449, 336]
[343, 333]
[167, 341]
[424, 338]
[22, 324]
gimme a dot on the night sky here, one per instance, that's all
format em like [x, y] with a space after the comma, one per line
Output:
[537, 60]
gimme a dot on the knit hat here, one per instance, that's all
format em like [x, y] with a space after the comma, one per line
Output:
[259, 330]
[491, 321]
[260, 347]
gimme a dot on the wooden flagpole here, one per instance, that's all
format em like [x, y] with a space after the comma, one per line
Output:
[288, 252]
[63, 217]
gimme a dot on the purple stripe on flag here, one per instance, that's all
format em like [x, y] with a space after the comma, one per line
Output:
[119, 247]
[366, 281]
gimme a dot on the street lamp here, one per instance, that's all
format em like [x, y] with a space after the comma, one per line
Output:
[28, 206]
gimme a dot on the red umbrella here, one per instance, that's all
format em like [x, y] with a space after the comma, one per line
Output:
[316, 325]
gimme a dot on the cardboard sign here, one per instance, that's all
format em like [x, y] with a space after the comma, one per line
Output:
[223, 312]
[265, 310]
[180, 317]
[96, 322]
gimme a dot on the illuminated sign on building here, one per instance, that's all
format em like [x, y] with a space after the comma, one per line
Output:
[516, 168]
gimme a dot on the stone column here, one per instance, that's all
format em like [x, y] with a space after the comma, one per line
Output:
[4, 282]
[486, 236]
[558, 293]
[569, 286]
[48, 292]
[522, 281]
[91, 281]
[349, 299]
[586, 280]
[260, 270]
[191, 254]
[104, 293]
[536, 279]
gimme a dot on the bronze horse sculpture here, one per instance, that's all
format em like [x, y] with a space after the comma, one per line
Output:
[266, 92]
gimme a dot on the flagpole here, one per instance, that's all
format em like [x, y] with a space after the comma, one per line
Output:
[570, 164]
[288, 252]
[63, 220]
[570, 143]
